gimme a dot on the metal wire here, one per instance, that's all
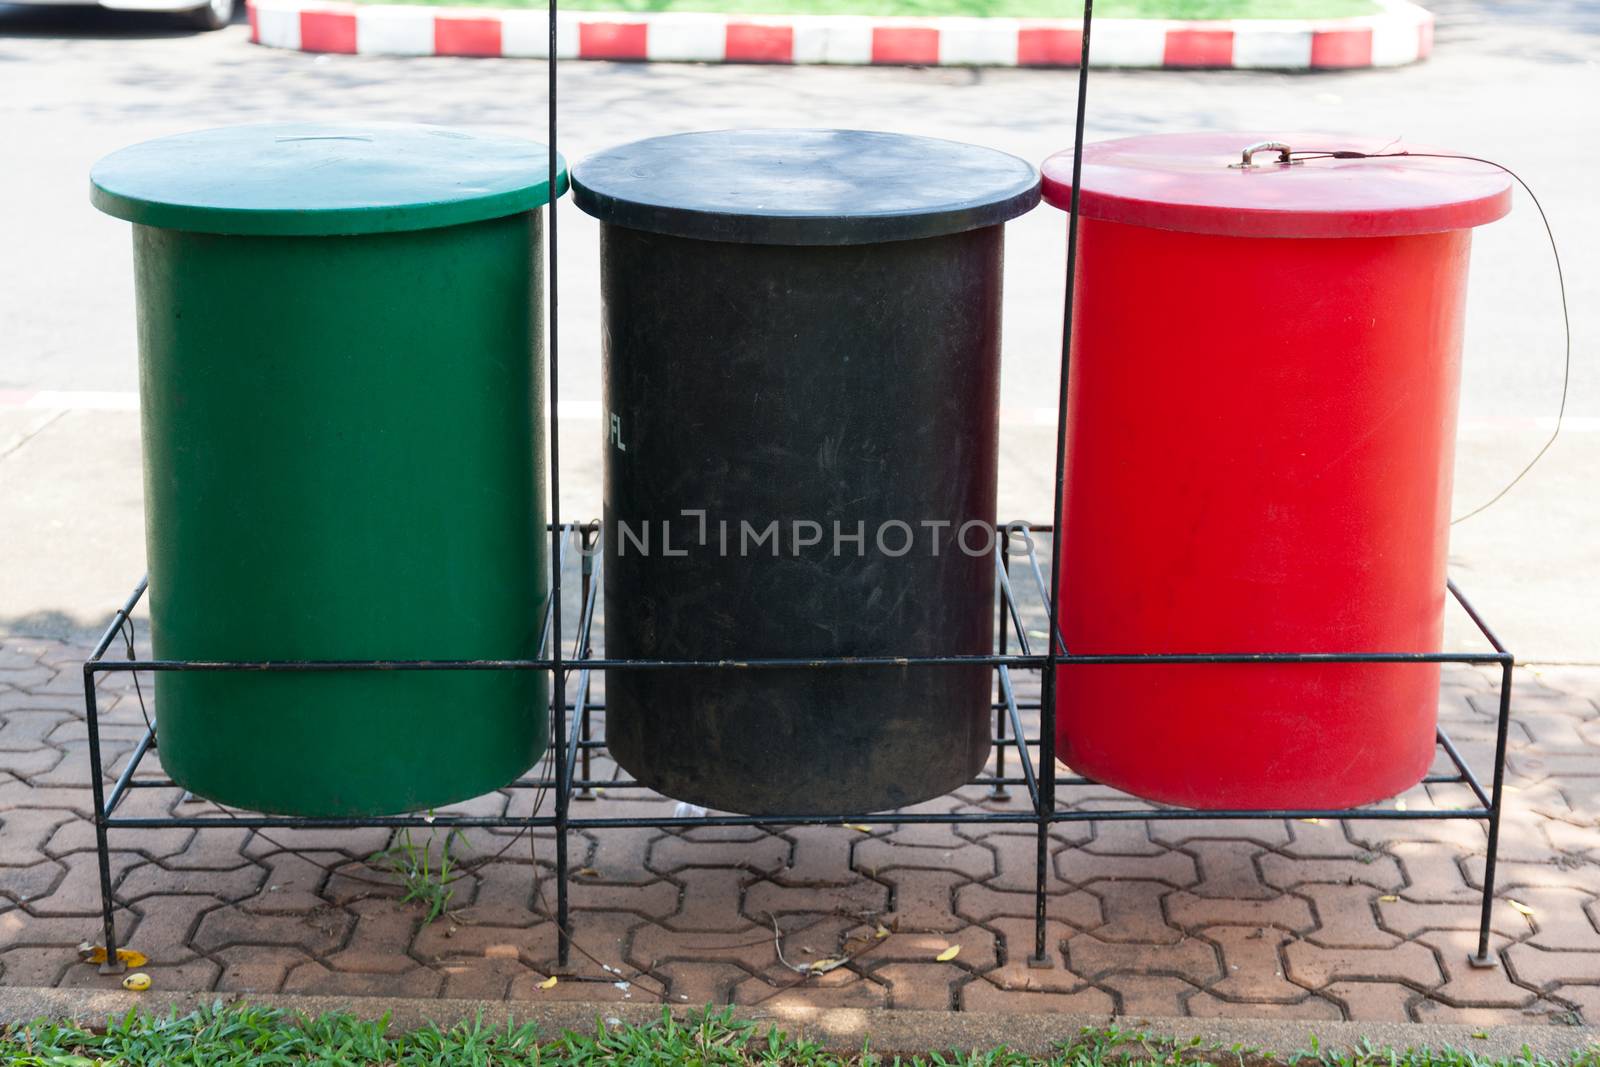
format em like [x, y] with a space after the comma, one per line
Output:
[1561, 285]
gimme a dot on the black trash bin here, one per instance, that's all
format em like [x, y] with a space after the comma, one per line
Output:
[802, 367]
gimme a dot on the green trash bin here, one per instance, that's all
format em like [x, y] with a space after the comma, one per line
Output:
[340, 372]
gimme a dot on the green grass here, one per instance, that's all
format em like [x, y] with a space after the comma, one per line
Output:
[427, 880]
[244, 1034]
[1126, 9]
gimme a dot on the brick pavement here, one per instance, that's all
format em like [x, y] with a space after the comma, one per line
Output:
[1310, 920]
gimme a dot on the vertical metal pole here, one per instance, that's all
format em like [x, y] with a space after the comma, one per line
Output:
[1047, 700]
[998, 791]
[1483, 958]
[102, 845]
[558, 675]
[563, 798]
[586, 540]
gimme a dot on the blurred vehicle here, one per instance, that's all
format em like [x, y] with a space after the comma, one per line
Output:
[210, 15]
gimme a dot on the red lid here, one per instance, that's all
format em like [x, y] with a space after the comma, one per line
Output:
[1193, 182]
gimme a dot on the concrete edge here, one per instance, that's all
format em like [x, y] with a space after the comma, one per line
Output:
[1401, 33]
[842, 1029]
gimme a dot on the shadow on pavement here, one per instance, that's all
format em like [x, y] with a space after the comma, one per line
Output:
[59, 625]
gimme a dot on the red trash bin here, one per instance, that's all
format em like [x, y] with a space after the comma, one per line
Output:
[1263, 386]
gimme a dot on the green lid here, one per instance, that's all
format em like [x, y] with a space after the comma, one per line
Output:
[314, 179]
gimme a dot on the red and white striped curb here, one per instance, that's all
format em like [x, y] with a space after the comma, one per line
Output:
[1401, 33]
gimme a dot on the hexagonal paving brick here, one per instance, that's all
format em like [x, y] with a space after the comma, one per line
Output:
[1149, 994]
[1207, 1006]
[1347, 916]
[1192, 959]
[1313, 966]
[1084, 1000]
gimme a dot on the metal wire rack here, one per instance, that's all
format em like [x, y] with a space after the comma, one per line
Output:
[573, 746]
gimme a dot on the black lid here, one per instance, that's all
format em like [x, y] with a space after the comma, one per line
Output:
[803, 187]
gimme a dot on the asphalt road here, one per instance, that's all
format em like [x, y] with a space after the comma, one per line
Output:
[1513, 82]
